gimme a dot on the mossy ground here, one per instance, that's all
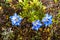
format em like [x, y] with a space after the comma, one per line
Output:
[24, 31]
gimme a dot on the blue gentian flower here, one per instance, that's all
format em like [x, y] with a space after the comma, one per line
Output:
[47, 20]
[36, 25]
[15, 19]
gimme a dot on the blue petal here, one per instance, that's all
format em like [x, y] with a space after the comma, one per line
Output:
[17, 23]
[50, 22]
[15, 14]
[35, 28]
[13, 23]
[50, 17]
[10, 17]
[44, 19]
[47, 15]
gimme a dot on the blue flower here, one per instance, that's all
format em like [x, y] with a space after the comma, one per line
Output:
[47, 20]
[36, 25]
[15, 19]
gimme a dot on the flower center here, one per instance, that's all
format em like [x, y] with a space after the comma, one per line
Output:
[16, 19]
[47, 19]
